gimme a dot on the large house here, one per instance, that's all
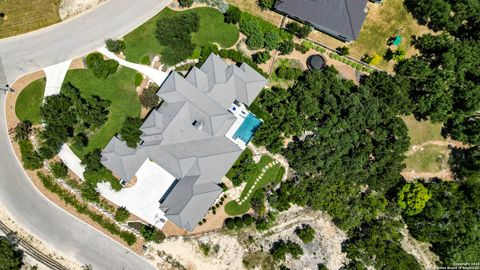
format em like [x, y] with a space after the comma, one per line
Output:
[342, 19]
[188, 143]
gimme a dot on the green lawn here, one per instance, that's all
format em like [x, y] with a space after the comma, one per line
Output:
[27, 15]
[272, 175]
[29, 101]
[430, 158]
[423, 131]
[119, 89]
[142, 41]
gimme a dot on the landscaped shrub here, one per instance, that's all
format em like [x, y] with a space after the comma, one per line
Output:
[59, 169]
[148, 97]
[286, 47]
[80, 140]
[266, 4]
[185, 3]
[115, 45]
[344, 50]
[31, 159]
[239, 222]
[255, 41]
[122, 214]
[152, 234]
[280, 248]
[249, 27]
[301, 48]
[306, 233]
[174, 33]
[272, 40]
[247, 219]
[88, 191]
[288, 73]
[204, 220]
[230, 223]
[101, 68]
[23, 131]
[298, 30]
[131, 132]
[261, 57]
[138, 79]
[82, 208]
[233, 15]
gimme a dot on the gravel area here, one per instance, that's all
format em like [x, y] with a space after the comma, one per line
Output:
[71, 8]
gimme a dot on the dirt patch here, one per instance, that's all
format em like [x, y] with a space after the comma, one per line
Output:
[420, 250]
[70, 8]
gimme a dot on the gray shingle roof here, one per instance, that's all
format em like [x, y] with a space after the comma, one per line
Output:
[340, 18]
[197, 157]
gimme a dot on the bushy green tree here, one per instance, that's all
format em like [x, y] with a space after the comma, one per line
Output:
[344, 50]
[413, 197]
[306, 233]
[280, 248]
[11, 258]
[286, 47]
[255, 41]
[266, 4]
[148, 97]
[250, 27]
[174, 33]
[261, 57]
[272, 40]
[59, 169]
[115, 45]
[80, 140]
[122, 214]
[131, 132]
[233, 15]
[101, 68]
[23, 131]
[91, 161]
[185, 3]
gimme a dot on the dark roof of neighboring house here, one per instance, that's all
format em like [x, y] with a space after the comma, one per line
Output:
[340, 18]
[197, 157]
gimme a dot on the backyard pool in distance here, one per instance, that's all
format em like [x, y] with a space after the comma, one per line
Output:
[247, 129]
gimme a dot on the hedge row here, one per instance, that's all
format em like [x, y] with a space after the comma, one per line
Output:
[82, 208]
[311, 45]
[351, 63]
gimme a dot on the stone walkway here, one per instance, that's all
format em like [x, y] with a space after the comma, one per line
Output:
[259, 177]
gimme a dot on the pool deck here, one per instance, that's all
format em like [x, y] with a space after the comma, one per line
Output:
[232, 131]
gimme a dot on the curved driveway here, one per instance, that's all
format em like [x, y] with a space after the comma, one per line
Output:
[33, 51]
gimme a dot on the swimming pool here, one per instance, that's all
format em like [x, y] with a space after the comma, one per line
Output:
[247, 128]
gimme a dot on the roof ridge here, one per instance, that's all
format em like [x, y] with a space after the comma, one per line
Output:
[350, 20]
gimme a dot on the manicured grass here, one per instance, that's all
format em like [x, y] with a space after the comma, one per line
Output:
[120, 90]
[29, 101]
[384, 21]
[272, 175]
[430, 158]
[27, 15]
[423, 131]
[143, 42]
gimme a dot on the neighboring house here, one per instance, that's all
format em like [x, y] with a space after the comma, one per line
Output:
[189, 141]
[342, 19]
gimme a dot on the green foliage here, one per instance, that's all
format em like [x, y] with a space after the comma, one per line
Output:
[131, 132]
[185, 3]
[31, 159]
[306, 233]
[230, 223]
[115, 45]
[138, 79]
[450, 221]
[301, 48]
[22, 131]
[148, 97]
[233, 15]
[298, 30]
[377, 244]
[88, 191]
[151, 234]
[266, 4]
[255, 41]
[204, 248]
[11, 257]
[280, 248]
[82, 208]
[80, 140]
[122, 214]
[243, 168]
[250, 27]
[261, 57]
[239, 58]
[59, 169]
[344, 50]
[174, 33]
[272, 40]
[286, 47]
[238, 222]
[288, 73]
[91, 161]
[412, 198]
[247, 219]
[258, 202]
[101, 68]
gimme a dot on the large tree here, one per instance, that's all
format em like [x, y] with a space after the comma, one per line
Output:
[11, 258]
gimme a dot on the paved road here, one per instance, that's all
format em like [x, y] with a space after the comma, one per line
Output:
[33, 51]
[75, 37]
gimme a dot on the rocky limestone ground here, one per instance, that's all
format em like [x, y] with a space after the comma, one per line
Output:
[227, 249]
[71, 8]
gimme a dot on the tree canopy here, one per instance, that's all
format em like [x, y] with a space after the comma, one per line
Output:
[11, 258]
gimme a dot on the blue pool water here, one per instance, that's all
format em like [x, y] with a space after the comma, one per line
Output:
[247, 128]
